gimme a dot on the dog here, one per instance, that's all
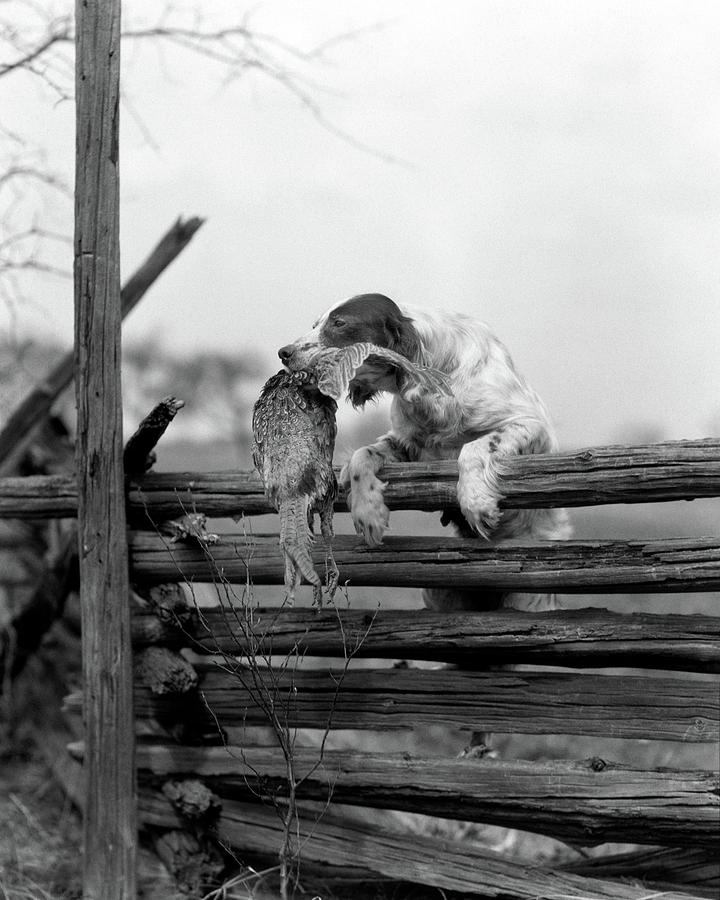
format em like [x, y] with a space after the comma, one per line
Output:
[490, 412]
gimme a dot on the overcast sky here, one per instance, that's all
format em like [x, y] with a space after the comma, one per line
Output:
[555, 172]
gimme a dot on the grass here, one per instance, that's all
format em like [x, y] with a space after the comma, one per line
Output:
[40, 833]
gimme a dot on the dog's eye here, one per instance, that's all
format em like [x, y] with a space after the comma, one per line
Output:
[338, 323]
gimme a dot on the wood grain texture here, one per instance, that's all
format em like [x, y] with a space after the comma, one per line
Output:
[139, 454]
[38, 497]
[618, 706]
[583, 637]
[681, 564]
[588, 802]
[110, 830]
[338, 840]
[698, 870]
[673, 470]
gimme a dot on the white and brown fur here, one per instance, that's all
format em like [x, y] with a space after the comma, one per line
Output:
[491, 413]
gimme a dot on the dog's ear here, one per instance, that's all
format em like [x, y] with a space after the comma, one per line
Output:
[403, 337]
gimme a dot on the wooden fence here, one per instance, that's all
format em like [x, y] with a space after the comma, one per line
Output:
[211, 680]
[222, 687]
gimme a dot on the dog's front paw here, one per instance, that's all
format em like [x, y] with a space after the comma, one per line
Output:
[477, 491]
[365, 497]
[369, 513]
[482, 513]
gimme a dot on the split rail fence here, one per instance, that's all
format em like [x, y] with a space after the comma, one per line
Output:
[221, 688]
[206, 677]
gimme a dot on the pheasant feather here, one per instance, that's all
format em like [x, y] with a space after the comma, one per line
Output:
[294, 432]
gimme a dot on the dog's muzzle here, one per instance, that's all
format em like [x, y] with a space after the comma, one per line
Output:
[286, 353]
[297, 356]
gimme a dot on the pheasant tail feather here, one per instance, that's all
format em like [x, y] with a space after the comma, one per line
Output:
[295, 537]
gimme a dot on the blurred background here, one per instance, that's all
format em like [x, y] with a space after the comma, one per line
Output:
[551, 167]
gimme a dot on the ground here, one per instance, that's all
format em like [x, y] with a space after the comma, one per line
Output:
[40, 831]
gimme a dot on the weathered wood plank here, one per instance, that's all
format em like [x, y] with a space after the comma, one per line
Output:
[622, 706]
[680, 564]
[674, 470]
[333, 839]
[38, 497]
[697, 870]
[139, 454]
[588, 802]
[110, 827]
[582, 637]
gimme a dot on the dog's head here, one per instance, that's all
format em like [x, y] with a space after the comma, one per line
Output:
[367, 318]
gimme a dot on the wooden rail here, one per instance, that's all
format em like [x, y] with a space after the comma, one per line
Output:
[675, 470]
[363, 852]
[666, 867]
[583, 637]
[680, 564]
[592, 801]
[537, 702]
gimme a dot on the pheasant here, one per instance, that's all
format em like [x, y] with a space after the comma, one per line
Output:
[294, 430]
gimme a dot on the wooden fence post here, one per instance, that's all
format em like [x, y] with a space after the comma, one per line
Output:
[110, 814]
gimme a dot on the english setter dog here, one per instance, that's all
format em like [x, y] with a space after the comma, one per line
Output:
[490, 412]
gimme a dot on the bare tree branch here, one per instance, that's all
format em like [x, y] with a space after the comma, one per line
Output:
[33, 172]
[37, 38]
[237, 47]
[59, 31]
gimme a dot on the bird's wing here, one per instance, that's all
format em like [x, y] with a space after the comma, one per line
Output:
[336, 367]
